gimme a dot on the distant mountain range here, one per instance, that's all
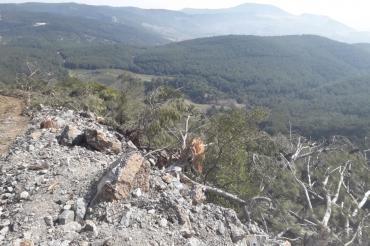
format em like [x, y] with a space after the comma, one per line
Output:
[153, 26]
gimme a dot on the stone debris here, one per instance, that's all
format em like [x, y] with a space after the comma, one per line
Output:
[66, 216]
[90, 227]
[48, 123]
[197, 195]
[38, 167]
[80, 209]
[183, 217]
[25, 242]
[126, 216]
[163, 222]
[99, 141]
[221, 228]
[194, 242]
[72, 227]
[168, 178]
[84, 184]
[237, 233]
[137, 192]
[24, 195]
[49, 220]
[71, 136]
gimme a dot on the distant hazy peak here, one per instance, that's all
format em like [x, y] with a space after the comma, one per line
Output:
[250, 8]
[258, 7]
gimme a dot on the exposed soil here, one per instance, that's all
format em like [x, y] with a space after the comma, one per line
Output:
[12, 123]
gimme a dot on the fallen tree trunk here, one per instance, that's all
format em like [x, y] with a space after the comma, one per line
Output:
[223, 193]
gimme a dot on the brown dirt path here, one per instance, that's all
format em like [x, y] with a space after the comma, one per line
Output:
[12, 123]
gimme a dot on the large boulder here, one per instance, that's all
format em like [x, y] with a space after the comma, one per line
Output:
[71, 136]
[129, 172]
[99, 141]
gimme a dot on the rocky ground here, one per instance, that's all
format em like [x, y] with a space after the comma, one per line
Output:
[77, 182]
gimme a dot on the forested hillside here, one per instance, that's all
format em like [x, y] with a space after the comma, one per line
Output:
[317, 84]
[56, 29]
[38, 37]
[270, 65]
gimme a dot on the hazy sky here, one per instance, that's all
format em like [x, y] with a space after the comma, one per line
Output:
[355, 13]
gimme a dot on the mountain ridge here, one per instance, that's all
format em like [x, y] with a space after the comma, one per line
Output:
[251, 7]
[172, 25]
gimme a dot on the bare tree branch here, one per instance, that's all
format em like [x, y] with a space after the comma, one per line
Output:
[185, 135]
[364, 199]
[327, 215]
[155, 151]
[341, 172]
[308, 172]
[214, 190]
[31, 72]
[303, 219]
[223, 193]
[305, 191]
[359, 228]
[361, 203]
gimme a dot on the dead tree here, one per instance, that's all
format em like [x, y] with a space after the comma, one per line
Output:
[26, 80]
[328, 191]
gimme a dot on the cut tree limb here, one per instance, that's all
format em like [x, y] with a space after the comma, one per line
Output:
[216, 191]
[223, 193]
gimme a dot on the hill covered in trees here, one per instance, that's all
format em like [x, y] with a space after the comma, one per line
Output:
[23, 26]
[317, 84]
[36, 37]
[273, 65]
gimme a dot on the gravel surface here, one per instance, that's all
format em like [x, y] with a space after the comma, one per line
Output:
[47, 186]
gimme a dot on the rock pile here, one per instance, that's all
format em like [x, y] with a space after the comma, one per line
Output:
[80, 183]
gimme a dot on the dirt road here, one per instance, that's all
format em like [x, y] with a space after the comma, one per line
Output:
[12, 123]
